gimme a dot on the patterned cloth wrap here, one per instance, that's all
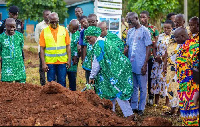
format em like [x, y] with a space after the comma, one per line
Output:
[186, 60]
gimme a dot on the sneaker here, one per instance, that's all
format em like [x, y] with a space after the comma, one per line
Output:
[140, 112]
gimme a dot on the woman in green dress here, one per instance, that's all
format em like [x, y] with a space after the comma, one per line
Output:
[111, 71]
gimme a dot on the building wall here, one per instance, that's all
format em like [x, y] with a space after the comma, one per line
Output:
[88, 8]
[3, 11]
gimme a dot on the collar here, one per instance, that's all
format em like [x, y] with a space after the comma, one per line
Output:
[52, 28]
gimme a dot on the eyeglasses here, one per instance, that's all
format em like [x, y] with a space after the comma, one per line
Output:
[54, 22]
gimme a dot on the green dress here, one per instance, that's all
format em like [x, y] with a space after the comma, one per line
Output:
[74, 39]
[13, 68]
[88, 58]
[113, 38]
[115, 77]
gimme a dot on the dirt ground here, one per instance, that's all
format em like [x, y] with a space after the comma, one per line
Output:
[33, 105]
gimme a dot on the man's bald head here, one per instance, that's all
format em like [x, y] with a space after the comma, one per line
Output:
[10, 21]
[104, 28]
[74, 22]
[53, 20]
[73, 25]
[53, 15]
[10, 25]
[102, 25]
[181, 35]
[133, 20]
[179, 20]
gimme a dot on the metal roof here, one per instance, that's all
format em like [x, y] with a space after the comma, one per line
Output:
[70, 2]
[76, 2]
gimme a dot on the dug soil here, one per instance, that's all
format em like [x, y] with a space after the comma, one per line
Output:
[54, 105]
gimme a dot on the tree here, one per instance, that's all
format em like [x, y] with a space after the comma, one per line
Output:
[33, 9]
[193, 8]
[158, 9]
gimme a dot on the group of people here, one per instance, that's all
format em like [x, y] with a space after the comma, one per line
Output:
[162, 65]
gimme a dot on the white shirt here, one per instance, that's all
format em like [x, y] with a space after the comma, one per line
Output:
[39, 27]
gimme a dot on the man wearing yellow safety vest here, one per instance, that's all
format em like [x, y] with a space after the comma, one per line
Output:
[55, 50]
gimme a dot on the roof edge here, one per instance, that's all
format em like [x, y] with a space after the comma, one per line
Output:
[78, 3]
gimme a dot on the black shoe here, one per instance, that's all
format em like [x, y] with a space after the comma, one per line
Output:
[135, 111]
[140, 112]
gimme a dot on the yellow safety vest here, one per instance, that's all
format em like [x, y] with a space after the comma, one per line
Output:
[55, 51]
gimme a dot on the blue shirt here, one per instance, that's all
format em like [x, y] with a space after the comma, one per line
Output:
[81, 39]
[138, 40]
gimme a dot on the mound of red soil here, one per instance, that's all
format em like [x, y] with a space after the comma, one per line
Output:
[54, 105]
[156, 121]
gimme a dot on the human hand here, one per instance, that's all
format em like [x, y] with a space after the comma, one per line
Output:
[125, 49]
[74, 59]
[165, 68]
[158, 59]
[68, 65]
[144, 69]
[91, 81]
[45, 67]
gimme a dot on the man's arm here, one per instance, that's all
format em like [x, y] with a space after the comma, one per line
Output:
[94, 71]
[42, 49]
[44, 66]
[68, 49]
[148, 44]
[22, 27]
[37, 34]
[84, 52]
[148, 53]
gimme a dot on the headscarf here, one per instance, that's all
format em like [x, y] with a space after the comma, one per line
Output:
[92, 31]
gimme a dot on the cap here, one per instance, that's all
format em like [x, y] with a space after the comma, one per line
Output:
[13, 9]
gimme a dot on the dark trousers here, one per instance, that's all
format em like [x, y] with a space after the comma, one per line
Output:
[58, 70]
[87, 75]
[150, 64]
[42, 73]
[72, 80]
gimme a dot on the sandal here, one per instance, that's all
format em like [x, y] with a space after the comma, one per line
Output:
[165, 107]
[155, 105]
[168, 113]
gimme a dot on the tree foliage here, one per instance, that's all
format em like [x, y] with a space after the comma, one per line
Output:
[193, 8]
[158, 9]
[33, 9]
